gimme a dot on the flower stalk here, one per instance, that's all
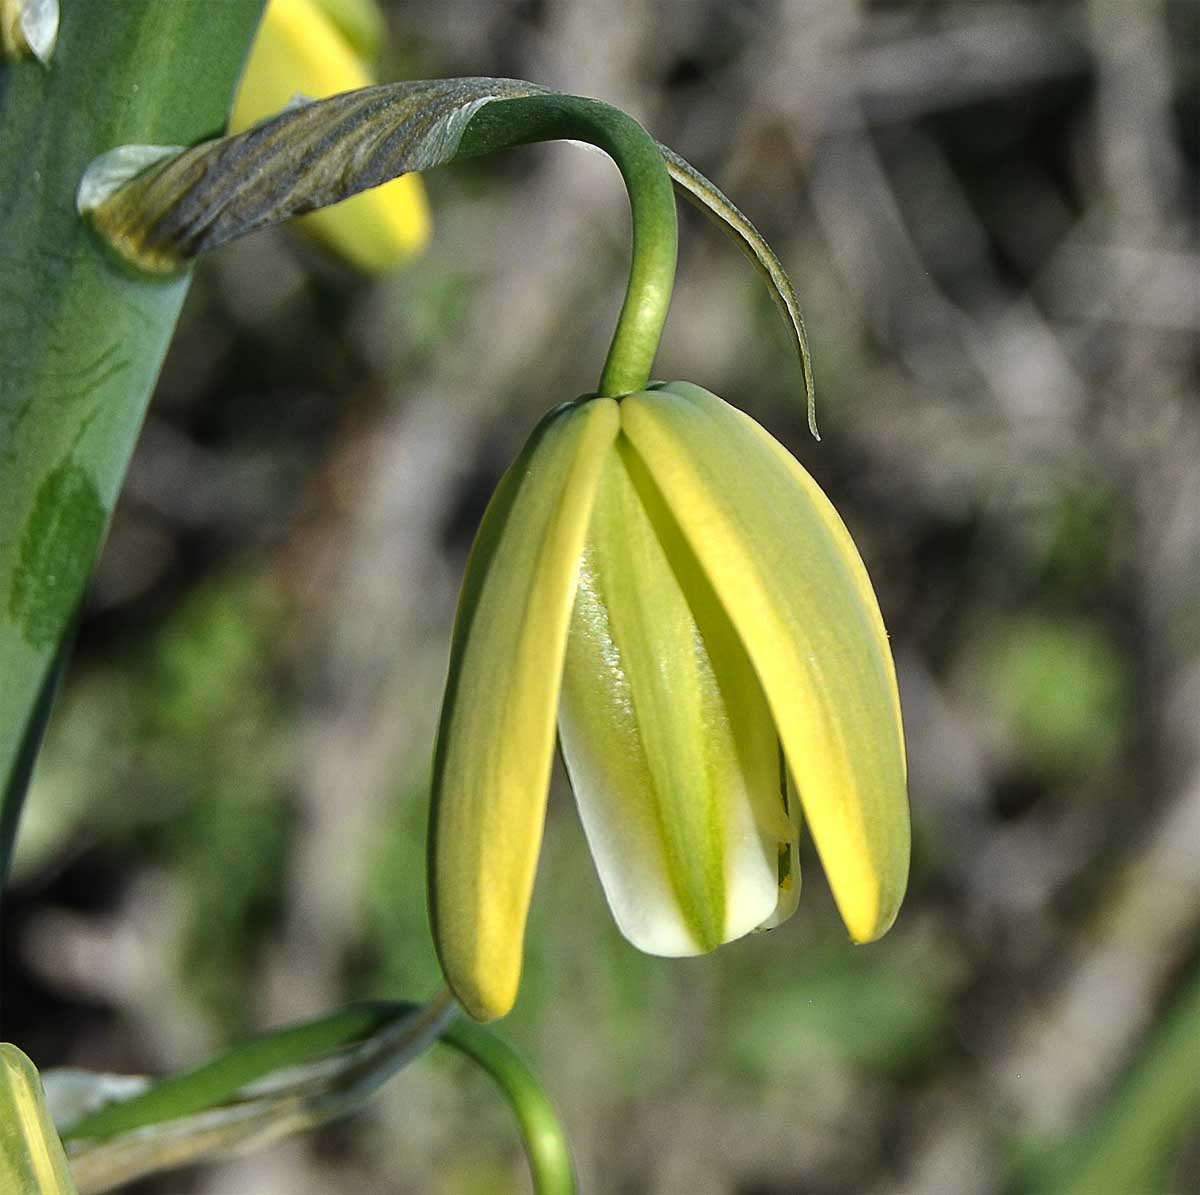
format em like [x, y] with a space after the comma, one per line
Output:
[652, 210]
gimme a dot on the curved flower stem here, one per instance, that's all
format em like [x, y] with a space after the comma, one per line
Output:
[652, 208]
[545, 1142]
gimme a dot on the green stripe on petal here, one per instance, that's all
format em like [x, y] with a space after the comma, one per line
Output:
[793, 585]
[788, 860]
[666, 735]
[496, 739]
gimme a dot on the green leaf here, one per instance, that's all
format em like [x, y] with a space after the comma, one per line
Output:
[284, 1082]
[280, 1083]
[708, 198]
[81, 340]
[1131, 1140]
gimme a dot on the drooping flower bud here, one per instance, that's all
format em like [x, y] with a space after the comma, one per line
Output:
[661, 576]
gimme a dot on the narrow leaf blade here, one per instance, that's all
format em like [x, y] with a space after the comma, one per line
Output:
[705, 195]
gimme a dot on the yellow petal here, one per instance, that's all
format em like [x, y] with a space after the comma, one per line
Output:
[360, 22]
[667, 737]
[794, 586]
[496, 739]
[299, 51]
[32, 1161]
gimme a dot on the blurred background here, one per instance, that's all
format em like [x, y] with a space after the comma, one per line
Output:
[989, 213]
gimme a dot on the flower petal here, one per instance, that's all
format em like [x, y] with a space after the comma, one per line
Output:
[794, 586]
[667, 737]
[788, 862]
[496, 739]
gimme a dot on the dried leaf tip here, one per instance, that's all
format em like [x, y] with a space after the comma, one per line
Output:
[28, 28]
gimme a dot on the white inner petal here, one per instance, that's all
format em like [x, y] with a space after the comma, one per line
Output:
[672, 754]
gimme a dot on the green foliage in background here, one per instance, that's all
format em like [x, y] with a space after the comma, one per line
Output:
[199, 783]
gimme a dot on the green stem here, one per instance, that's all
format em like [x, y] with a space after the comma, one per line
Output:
[652, 209]
[545, 1142]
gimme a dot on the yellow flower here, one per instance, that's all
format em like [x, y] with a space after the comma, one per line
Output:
[32, 1161]
[301, 50]
[660, 577]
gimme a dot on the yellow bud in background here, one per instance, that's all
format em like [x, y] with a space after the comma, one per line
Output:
[32, 1161]
[360, 22]
[303, 50]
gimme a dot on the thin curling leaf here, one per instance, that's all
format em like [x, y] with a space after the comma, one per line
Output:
[793, 585]
[300, 50]
[705, 195]
[496, 738]
[281, 1083]
[306, 158]
[32, 1160]
[667, 738]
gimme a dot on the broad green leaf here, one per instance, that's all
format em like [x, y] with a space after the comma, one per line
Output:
[496, 738]
[32, 1161]
[794, 587]
[81, 340]
[667, 737]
